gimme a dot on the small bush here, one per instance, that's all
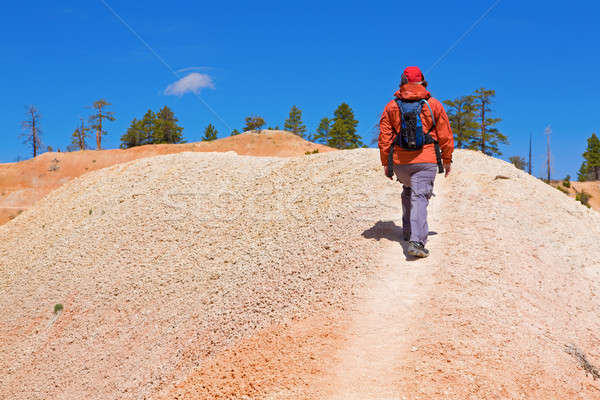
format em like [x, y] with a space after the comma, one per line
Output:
[567, 181]
[315, 151]
[90, 213]
[584, 198]
[58, 308]
[562, 189]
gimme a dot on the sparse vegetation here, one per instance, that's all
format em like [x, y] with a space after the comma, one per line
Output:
[471, 124]
[461, 113]
[562, 189]
[210, 133]
[567, 181]
[584, 198]
[339, 132]
[294, 122]
[489, 137]
[58, 308]
[98, 119]
[518, 162]
[315, 151]
[254, 123]
[153, 128]
[322, 131]
[79, 137]
[31, 130]
[590, 168]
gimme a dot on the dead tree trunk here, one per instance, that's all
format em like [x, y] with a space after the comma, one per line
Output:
[32, 131]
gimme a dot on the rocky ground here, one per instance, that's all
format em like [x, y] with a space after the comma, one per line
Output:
[213, 275]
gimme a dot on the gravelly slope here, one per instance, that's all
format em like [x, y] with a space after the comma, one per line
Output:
[504, 308]
[161, 262]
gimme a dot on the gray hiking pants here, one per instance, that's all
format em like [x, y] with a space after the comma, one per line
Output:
[417, 181]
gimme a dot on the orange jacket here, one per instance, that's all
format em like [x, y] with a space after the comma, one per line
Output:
[391, 122]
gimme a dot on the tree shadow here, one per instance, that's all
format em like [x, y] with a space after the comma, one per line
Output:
[392, 232]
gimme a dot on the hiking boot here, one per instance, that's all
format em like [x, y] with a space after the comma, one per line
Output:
[416, 249]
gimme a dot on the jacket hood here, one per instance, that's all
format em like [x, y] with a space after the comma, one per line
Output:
[412, 91]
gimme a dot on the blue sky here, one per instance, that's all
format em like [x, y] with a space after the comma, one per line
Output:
[262, 57]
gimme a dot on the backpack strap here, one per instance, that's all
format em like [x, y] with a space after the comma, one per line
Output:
[423, 101]
[430, 139]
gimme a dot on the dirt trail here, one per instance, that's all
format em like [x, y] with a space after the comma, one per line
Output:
[378, 339]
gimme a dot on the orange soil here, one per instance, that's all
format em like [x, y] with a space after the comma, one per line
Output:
[282, 361]
[591, 187]
[25, 182]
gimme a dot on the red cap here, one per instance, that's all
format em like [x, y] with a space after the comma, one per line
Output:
[413, 74]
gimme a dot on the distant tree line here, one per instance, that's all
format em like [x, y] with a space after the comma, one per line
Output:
[32, 133]
[338, 132]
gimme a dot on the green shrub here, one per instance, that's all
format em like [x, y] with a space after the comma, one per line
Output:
[567, 181]
[58, 308]
[584, 198]
[315, 151]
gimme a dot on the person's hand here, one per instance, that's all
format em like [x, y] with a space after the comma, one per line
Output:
[388, 173]
[447, 168]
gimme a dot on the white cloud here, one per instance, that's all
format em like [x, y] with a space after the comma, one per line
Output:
[191, 83]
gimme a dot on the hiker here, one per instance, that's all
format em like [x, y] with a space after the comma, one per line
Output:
[413, 146]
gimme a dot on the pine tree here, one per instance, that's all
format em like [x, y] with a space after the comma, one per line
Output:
[79, 137]
[134, 136]
[140, 132]
[590, 168]
[165, 128]
[210, 133]
[32, 134]
[254, 123]
[488, 137]
[584, 173]
[322, 135]
[97, 120]
[342, 134]
[462, 120]
[294, 122]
